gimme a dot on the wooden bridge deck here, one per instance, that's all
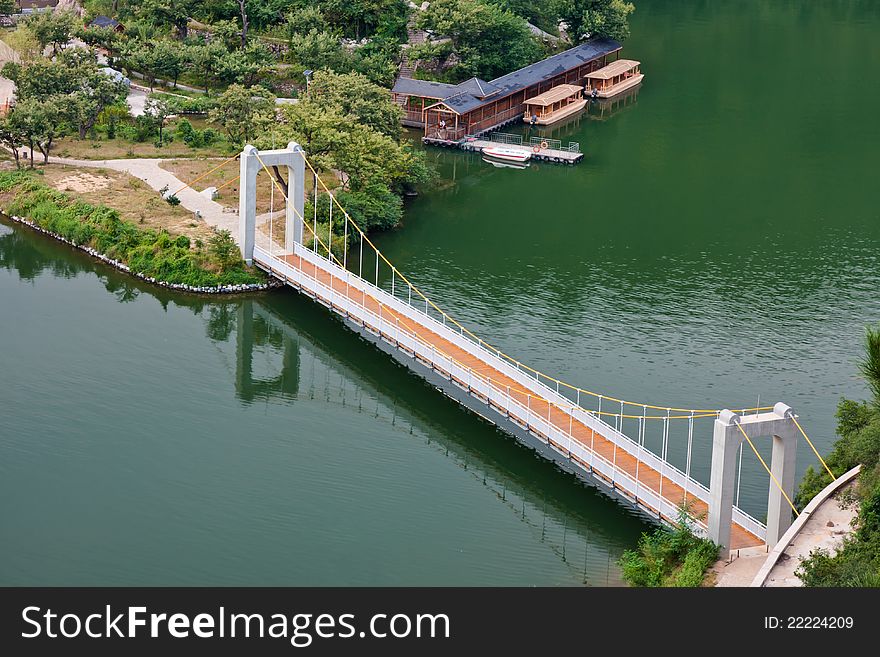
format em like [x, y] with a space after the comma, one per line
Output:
[590, 439]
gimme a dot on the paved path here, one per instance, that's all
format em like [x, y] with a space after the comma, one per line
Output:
[156, 177]
[7, 87]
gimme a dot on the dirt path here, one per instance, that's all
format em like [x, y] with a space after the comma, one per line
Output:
[7, 87]
[148, 170]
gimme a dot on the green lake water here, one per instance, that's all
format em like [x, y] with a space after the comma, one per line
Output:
[718, 244]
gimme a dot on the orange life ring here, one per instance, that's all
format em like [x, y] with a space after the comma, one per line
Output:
[536, 149]
[544, 144]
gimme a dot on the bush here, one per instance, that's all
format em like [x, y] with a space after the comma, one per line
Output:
[195, 138]
[669, 557]
[857, 562]
[155, 254]
[858, 426]
[195, 105]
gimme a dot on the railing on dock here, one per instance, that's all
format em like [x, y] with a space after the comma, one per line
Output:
[517, 140]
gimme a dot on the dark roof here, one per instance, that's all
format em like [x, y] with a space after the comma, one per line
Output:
[104, 21]
[463, 97]
[547, 68]
[475, 87]
[426, 88]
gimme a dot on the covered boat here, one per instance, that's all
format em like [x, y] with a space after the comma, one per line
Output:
[554, 105]
[615, 78]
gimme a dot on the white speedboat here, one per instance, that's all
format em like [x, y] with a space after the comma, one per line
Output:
[499, 164]
[507, 154]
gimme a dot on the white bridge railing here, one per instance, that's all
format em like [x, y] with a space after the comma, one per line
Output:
[491, 392]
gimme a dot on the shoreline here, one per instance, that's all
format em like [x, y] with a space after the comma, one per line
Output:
[121, 266]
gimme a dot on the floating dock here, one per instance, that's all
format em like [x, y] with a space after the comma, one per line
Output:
[541, 149]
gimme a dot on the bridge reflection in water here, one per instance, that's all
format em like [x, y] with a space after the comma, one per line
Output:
[278, 361]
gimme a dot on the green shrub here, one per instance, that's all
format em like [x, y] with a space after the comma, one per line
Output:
[669, 557]
[857, 562]
[858, 425]
[152, 253]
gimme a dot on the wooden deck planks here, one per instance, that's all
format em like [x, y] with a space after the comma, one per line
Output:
[647, 476]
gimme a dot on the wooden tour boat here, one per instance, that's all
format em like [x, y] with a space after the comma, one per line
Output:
[554, 105]
[613, 79]
[507, 154]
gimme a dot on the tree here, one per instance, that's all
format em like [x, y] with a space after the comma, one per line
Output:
[157, 111]
[205, 61]
[223, 250]
[355, 95]
[7, 7]
[24, 43]
[102, 37]
[140, 56]
[74, 75]
[11, 137]
[317, 50]
[362, 18]
[487, 40]
[173, 13]
[597, 18]
[53, 28]
[242, 10]
[243, 66]
[170, 60]
[41, 122]
[24, 124]
[303, 21]
[372, 167]
[243, 111]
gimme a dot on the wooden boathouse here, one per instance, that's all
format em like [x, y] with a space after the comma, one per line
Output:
[449, 112]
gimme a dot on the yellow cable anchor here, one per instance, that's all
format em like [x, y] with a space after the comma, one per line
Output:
[207, 173]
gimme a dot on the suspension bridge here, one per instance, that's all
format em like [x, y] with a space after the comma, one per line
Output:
[623, 447]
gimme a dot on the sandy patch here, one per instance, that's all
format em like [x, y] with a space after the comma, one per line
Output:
[83, 183]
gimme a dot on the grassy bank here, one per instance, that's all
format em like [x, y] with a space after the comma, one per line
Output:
[673, 557]
[151, 253]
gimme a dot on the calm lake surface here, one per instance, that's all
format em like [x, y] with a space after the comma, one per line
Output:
[718, 244]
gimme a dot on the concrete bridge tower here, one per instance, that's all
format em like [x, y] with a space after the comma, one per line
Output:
[730, 432]
[252, 161]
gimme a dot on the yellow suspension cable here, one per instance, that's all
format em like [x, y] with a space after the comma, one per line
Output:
[207, 173]
[527, 393]
[364, 237]
[772, 476]
[813, 447]
[226, 184]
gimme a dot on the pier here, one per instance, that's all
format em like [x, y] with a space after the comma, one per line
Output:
[540, 148]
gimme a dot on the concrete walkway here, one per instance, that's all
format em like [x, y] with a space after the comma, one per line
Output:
[825, 529]
[148, 170]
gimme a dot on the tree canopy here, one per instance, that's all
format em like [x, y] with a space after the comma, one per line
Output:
[597, 18]
[486, 39]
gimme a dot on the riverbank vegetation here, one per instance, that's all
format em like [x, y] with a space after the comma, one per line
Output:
[857, 562]
[673, 557]
[217, 69]
[475, 38]
[173, 259]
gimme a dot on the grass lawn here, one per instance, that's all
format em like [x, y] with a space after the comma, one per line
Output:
[133, 198]
[112, 149]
